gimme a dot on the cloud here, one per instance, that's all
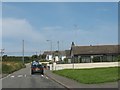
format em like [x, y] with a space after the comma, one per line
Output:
[19, 29]
[15, 30]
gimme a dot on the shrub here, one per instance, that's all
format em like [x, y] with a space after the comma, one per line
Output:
[118, 58]
[96, 59]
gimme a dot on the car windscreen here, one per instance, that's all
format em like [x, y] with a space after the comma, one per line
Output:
[39, 66]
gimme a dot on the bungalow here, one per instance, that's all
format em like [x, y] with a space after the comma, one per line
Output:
[55, 55]
[97, 53]
[48, 55]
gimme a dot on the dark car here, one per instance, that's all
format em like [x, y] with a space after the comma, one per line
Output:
[37, 68]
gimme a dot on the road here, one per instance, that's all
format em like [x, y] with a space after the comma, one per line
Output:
[23, 79]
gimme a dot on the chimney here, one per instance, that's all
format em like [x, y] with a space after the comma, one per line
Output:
[73, 44]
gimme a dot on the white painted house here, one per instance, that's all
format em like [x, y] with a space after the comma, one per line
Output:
[55, 55]
[48, 57]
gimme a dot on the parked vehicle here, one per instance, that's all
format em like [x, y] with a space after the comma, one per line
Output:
[36, 67]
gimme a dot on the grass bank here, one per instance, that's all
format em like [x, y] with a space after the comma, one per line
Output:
[9, 67]
[91, 76]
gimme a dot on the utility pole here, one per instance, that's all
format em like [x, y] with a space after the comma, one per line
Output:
[36, 53]
[51, 51]
[40, 55]
[50, 45]
[58, 50]
[23, 51]
[58, 45]
[76, 28]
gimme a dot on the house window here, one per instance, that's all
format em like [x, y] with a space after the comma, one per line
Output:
[109, 58]
[85, 59]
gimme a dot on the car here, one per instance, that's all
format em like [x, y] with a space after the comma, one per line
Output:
[36, 67]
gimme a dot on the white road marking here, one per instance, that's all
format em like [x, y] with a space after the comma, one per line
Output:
[12, 76]
[46, 77]
[20, 75]
[6, 76]
[25, 75]
[42, 75]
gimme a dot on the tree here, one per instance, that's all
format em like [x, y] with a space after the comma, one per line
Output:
[43, 56]
[34, 56]
[4, 58]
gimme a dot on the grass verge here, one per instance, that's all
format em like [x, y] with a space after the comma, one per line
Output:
[91, 76]
[9, 67]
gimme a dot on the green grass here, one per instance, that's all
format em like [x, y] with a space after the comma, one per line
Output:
[91, 76]
[9, 67]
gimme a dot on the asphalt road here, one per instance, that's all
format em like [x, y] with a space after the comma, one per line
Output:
[24, 79]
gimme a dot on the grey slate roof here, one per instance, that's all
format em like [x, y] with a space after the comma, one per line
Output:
[98, 49]
[55, 53]
[67, 53]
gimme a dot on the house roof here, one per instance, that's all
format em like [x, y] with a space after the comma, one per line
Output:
[62, 53]
[48, 52]
[55, 53]
[98, 49]
[67, 53]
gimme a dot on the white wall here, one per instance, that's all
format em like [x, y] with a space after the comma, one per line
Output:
[85, 65]
[56, 58]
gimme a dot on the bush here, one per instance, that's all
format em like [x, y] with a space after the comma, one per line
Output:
[16, 59]
[96, 59]
[50, 62]
[6, 68]
[118, 58]
[65, 60]
[43, 60]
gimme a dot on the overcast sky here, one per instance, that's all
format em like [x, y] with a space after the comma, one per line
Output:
[82, 23]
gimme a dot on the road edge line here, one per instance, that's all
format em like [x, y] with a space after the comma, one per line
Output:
[5, 77]
[68, 88]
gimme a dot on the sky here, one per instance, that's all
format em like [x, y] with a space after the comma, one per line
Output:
[88, 23]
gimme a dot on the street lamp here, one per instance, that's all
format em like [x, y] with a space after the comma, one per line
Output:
[51, 50]
[76, 28]
[58, 51]
[50, 45]
[23, 51]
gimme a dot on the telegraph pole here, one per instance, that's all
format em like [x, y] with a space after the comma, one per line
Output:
[36, 53]
[40, 55]
[23, 51]
[58, 45]
[58, 50]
